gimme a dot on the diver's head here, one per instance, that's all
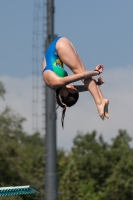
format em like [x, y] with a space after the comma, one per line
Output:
[66, 96]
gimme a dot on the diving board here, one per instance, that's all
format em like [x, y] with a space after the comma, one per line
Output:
[18, 190]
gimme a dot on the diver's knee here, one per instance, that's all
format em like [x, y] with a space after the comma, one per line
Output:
[62, 42]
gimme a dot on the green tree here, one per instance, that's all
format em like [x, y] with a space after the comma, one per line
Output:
[89, 153]
[21, 155]
[62, 162]
[70, 183]
[105, 170]
[2, 90]
[119, 185]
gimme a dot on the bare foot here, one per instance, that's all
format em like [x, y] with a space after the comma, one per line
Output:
[100, 81]
[100, 108]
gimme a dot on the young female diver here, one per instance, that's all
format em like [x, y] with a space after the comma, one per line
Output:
[62, 51]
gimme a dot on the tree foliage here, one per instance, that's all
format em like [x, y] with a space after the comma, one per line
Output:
[21, 155]
[105, 170]
[2, 90]
[69, 185]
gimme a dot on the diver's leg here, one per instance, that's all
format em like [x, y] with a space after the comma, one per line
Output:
[68, 55]
[106, 102]
[99, 83]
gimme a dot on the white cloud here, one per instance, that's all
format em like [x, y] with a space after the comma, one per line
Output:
[19, 97]
[83, 116]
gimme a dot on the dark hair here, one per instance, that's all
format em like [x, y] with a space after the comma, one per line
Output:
[67, 101]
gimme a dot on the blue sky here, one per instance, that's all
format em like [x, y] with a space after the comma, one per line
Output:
[101, 31]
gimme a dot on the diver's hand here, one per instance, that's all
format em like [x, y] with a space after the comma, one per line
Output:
[100, 68]
[71, 86]
[100, 81]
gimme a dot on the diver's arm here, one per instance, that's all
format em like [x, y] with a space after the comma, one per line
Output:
[55, 81]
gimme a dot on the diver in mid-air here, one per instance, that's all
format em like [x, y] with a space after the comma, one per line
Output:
[62, 51]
